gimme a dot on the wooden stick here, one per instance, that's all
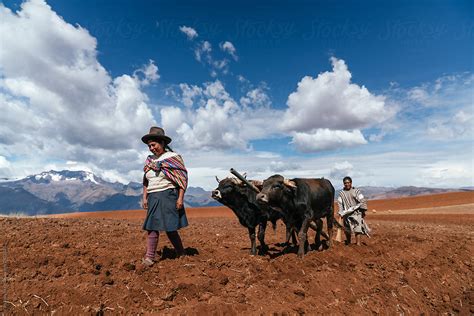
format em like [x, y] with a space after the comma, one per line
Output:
[338, 237]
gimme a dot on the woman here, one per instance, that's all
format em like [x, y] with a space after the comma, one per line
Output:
[164, 183]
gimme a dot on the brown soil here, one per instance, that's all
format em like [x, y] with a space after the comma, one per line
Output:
[419, 260]
[423, 201]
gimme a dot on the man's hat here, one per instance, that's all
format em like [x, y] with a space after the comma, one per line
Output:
[156, 133]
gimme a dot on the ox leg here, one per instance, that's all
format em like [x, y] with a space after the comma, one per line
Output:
[261, 237]
[290, 233]
[287, 240]
[253, 243]
[319, 229]
[294, 238]
[323, 233]
[303, 236]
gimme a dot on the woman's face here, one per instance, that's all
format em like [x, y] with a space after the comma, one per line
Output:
[155, 147]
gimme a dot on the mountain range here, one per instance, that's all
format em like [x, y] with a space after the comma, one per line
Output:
[71, 191]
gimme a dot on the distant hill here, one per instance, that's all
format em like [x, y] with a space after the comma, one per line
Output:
[381, 193]
[115, 202]
[71, 191]
[20, 201]
[198, 197]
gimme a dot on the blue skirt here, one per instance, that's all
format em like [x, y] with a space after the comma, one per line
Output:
[162, 214]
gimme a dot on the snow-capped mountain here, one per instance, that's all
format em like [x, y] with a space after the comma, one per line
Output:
[65, 175]
[71, 191]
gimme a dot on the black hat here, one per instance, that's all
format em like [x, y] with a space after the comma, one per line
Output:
[156, 133]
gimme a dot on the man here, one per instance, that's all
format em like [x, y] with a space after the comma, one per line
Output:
[352, 207]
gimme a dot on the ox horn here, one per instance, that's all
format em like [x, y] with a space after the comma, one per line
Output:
[236, 180]
[289, 183]
[217, 179]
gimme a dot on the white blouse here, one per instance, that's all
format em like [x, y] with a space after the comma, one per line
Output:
[158, 183]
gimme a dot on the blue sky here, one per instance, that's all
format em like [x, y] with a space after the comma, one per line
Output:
[381, 91]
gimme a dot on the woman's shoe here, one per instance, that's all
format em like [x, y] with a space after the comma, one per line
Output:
[148, 262]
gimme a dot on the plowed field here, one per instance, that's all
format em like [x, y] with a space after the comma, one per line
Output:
[419, 259]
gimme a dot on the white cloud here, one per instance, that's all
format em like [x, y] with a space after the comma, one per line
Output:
[325, 139]
[147, 73]
[389, 169]
[282, 166]
[60, 100]
[329, 111]
[189, 31]
[447, 174]
[216, 90]
[332, 101]
[419, 94]
[203, 48]
[172, 118]
[242, 79]
[203, 54]
[341, 169]
[5, 168]
[451, 127]
[256, 97]
[229, 48]
[189, 93]
[441, 110]
[267, 155]
[215, 120]
[443, 91]
[221, 65]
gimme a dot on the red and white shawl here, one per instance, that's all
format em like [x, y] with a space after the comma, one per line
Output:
[172, 166]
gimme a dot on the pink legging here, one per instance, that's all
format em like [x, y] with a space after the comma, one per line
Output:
[152, 243]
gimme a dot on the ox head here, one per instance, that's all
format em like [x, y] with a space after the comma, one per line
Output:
[226, 187]
[274, 190]
[231, 187]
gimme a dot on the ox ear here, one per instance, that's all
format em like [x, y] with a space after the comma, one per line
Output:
[217, 179]
[289, 183]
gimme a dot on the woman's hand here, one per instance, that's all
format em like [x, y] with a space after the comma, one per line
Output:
[145, 194]
[180, 201]
[179, 204]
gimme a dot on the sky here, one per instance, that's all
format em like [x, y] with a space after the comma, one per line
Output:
[381, 91]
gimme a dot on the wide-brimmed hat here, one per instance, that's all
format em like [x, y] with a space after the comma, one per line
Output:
[156, 133]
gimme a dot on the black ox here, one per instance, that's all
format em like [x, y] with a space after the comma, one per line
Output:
[300, 201]
[242, 200]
